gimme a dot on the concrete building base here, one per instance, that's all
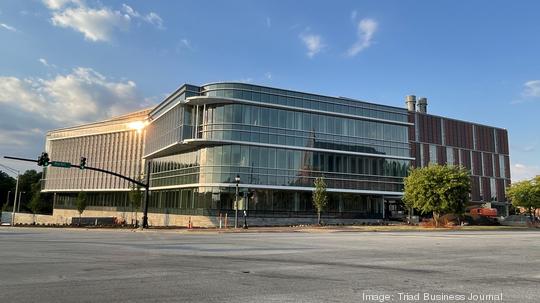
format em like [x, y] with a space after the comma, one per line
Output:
[63, 217]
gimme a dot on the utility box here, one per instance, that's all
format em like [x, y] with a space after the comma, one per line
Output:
[5, 218]
[413, 219]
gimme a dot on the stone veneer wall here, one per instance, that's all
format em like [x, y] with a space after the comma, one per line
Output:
[63, 216]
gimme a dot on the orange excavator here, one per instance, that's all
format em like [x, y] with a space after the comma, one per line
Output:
[484, 212]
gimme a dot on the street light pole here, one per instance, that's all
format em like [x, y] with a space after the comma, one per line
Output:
[237, 179]
[246, 202]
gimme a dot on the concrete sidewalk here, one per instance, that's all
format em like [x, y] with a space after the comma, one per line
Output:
[286, 229]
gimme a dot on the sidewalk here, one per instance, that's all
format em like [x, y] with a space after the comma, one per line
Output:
[286, 229]
[335, 229]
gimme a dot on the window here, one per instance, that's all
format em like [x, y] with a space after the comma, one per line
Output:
[264, 116]
[306, 122]
[493, 189]
[298, 120]
[450, 156]
[244, 155]
[263, 162]
[255, 116]
[271, 158]
[282, 117]
[273, 117]
[254, 156]
[237, 113]
[226, 160]
[227, 115]
[502, 167]
[432, 153]
[247, 115]
[281, 159]
[290, 120]
[290, 159]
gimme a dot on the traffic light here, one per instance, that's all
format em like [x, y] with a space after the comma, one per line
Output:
[82, 163]
[43, 160]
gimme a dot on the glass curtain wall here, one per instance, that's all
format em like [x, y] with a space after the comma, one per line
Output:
[279, 167]
[248, 123]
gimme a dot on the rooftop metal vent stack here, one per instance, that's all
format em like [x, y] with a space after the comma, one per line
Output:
[422, 105]
[411, 103]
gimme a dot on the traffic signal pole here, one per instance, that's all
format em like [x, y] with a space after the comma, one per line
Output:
[146, 185]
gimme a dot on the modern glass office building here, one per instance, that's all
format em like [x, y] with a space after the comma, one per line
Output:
[200, 138]
[277, 141]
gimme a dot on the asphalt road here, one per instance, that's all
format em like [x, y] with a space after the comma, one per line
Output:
[48, 265]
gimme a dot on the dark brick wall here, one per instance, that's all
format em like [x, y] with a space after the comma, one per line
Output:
[486, 144]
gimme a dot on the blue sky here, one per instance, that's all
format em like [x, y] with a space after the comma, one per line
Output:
[64, 62]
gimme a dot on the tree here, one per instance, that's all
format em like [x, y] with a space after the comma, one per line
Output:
[437, 189]
[320, 198]
[135, 198]
[526, 194]
[29, 183]
[81, 204]
[7, 184]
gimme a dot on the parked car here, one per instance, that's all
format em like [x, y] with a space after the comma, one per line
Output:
[516, 220]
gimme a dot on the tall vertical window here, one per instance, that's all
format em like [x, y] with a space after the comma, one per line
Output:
[493, 189]
[450, 156]
[481, 188]
[432, 153]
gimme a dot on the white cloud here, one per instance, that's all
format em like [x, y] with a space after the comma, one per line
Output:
[151, 17]
[522, 172]
[130, 11]
[313, 44]
[183, 44]
[530, 92]
[186, 43]
[80, 96]
[365, 31]
[32, 106]
[97, 24]
[154, 19]
[9, 28]
[45, 63]
[58, 4]
[532, 89]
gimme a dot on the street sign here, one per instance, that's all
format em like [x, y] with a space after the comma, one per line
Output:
[60, 164]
